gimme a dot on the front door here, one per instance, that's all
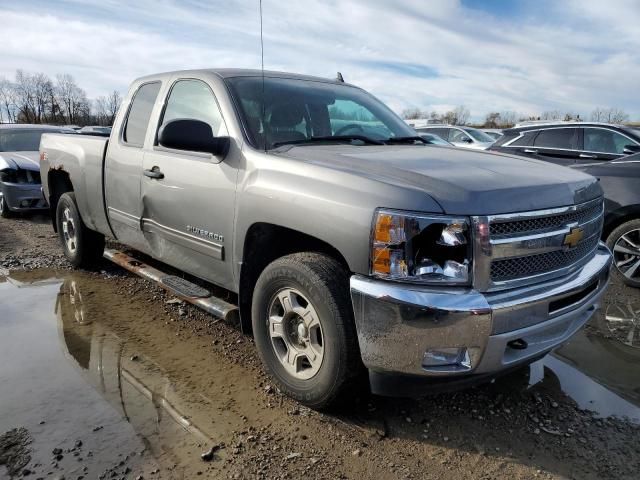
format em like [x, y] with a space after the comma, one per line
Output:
[188, 204]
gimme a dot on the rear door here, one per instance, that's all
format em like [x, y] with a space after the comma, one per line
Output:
[123, 168]
[600, 144]
[187, 215]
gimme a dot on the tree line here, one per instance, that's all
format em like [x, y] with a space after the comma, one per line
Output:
[36, 98]
[507, 119]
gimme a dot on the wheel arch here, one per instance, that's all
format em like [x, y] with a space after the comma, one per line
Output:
[59, 182]
[264, 243]
[619, 216]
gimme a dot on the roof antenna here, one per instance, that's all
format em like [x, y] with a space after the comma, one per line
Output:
[263, 113]
[339, 78]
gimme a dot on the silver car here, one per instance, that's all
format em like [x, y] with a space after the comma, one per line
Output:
[465, 137]
[20, 189]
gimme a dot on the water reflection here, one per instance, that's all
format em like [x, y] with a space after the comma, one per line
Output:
[135, 386]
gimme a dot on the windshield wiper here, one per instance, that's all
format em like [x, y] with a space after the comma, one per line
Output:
[331, 138]
[412, 139]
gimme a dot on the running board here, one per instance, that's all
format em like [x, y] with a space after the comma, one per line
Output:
[181, 288]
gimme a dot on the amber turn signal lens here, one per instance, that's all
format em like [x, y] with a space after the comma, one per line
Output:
[381, 260]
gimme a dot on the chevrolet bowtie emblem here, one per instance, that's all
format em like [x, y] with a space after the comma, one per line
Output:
[572, 239]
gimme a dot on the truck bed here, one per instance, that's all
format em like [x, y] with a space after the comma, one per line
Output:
[82, 158]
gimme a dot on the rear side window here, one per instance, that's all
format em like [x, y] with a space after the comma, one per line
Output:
[561, 138]
[194, 99]
[604, 141]
[526, 140]
[138, 119]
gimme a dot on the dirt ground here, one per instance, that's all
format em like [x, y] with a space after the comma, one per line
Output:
[103, 375]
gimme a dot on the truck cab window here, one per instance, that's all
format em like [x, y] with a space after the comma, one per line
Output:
[193, 99]
[138, 119]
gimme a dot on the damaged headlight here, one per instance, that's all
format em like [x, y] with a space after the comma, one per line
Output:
[421, 248]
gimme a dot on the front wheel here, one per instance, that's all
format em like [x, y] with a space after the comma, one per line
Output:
[82, 247]
[304, 329]
[624, 242]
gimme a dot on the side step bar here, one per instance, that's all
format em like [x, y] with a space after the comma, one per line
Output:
[181, 288]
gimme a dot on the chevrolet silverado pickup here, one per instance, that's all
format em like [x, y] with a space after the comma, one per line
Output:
[346, 242]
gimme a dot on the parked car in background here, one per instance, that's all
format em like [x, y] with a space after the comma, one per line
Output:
[465, 137]
[20, 189]
[494, 133]
[95, 130]
[432, 139]
[620, 180]
[566, 143]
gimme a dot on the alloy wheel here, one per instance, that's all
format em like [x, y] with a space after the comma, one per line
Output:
[296, 333]
[626, 254]
[69, 231]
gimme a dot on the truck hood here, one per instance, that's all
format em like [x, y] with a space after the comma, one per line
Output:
[21, 160]
[463, 182]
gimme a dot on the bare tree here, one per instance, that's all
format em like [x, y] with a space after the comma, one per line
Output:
[507, 119]
[609, 115]
[492, 120]
[461, 115]
[551, 115]
[413, 113]
[73, 99]
[8, 108]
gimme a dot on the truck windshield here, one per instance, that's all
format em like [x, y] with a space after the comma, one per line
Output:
[299, 110]
[21, 140]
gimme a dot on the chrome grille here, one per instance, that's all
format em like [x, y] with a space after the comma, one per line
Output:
[524, 248]
[544, 262]
[545, 223]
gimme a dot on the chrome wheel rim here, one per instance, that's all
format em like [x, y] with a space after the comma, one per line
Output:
[626, 254]
[2, 205]
[623, 321]
[69, 231]
[296, 333]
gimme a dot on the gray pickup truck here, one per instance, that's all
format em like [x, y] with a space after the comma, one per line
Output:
[346, 242]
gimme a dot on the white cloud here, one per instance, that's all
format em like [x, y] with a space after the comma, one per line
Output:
[570, 56]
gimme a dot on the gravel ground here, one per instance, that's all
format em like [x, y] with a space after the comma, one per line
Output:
[506, 429]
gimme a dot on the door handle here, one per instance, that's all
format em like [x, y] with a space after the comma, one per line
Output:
[586, 155]
[529, 150]
[154, 172]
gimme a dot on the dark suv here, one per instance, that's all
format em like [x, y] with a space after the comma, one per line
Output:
[566, 143]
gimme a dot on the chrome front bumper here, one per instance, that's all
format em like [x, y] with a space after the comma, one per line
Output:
[398, 323]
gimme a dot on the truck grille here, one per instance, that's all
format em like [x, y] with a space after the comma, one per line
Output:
[536, 225]
[524, 248]
[544, 262]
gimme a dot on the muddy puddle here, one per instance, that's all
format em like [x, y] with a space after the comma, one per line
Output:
[108, 397]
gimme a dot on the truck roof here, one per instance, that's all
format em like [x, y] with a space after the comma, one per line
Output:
[242, 72]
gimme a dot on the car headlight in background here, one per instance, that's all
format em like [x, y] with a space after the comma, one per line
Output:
[421, 248]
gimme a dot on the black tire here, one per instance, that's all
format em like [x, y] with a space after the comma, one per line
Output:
[325, 283]
[89, 245]
[630, 230]
[4, 208]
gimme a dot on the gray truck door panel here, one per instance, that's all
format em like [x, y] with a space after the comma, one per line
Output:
[187, 215]
[123, 168]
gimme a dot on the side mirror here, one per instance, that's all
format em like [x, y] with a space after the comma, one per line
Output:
[467, 140]
[193, 136]
[632, 148]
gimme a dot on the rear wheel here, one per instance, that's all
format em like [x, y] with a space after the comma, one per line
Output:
[624, 242]
[303, 327]
[4, 208]
[82, 247]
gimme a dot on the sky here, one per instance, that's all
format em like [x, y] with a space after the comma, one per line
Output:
[526, 56]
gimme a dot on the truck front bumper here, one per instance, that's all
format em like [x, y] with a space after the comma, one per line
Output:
[459, 333]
